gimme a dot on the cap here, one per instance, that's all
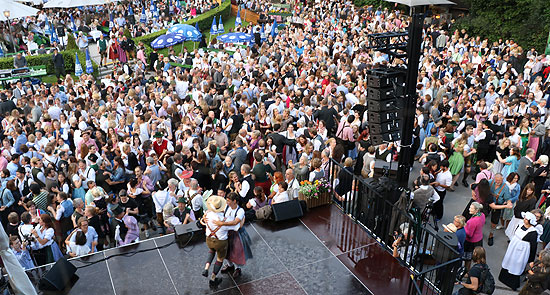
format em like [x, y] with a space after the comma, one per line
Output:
[117, 210]
[182, 200]
[530, 217]
[122, 192]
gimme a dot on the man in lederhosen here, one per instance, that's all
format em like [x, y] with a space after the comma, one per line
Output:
[216, 237]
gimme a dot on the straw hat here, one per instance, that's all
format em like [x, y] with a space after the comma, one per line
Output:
[450, 228]
[216, 204]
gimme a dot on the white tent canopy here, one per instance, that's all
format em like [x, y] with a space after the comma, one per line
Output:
[17, 10]
[73, 3]
[412, 3]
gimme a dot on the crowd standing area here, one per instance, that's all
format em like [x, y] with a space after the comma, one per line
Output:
[87, 164]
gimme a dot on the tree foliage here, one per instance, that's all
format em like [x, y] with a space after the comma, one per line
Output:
[527, 22]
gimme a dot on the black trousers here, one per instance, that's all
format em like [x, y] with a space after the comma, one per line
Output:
[438, 206]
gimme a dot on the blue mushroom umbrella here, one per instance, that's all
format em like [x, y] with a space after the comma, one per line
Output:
[169, 39]
[188, 31]
[130, 10]
[155, 11]
[238, 21]
[236, 38]
[220, 26]
[73, 26]
[143, 17]
[89, 66]
[274, 29]
[77, 67]
[197, 26]
[214, 28]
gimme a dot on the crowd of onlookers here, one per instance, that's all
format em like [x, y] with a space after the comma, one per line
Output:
[88, 164]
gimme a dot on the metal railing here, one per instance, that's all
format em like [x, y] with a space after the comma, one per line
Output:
[378, 214]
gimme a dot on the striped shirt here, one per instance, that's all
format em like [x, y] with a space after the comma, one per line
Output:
[41, 200]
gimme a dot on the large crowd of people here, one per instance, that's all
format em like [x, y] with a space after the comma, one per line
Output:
[88, 164]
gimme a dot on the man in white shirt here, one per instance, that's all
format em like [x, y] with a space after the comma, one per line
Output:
[216, 237]
[293, 184]
[442, 182]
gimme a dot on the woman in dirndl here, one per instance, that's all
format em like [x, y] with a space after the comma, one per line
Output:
[239, 250]
[45, 248]
[526, 202]
[520, 252]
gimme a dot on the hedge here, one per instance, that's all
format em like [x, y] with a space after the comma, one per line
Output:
[204, 20]
[46, 59]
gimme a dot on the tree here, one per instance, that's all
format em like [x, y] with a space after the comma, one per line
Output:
[527, 22]
[71, 43]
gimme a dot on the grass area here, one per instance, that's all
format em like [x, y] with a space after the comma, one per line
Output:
[227, 24]
[52, 79]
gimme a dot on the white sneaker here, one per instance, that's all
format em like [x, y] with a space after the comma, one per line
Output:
[147, 235]
[500, 227]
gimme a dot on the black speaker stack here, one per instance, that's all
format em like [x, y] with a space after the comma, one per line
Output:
[385, 92]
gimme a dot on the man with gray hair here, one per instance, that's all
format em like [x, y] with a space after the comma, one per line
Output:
[194, 196]
[293, 184]
[152, 171]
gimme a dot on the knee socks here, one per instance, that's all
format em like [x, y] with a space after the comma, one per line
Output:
[211, 255]
[217, 267]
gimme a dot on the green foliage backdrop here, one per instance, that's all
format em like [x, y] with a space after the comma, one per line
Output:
[527, 22]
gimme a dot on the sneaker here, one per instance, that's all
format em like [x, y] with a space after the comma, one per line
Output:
[237, 273]
[228, 269]
[147, 235]
[499, 227]
[205, 273]
[490, 241]
[215, 282]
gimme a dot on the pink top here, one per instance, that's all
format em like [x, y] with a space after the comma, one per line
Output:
[484, 174]
[474, 228]
[141, 56]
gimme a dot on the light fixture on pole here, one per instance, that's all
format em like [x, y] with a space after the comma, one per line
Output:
[7, 14]
[413, 61]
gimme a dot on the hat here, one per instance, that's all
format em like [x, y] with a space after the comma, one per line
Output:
[216, 204]
[207, 194]
[92, 157]
[182, 200]
[450, 228]
[117, 210]
[530, 217]
[157, 135]
[186, 174]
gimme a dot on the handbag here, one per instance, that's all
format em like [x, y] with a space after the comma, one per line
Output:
[266, 212]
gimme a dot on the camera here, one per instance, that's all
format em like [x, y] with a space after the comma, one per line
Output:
[29, 239]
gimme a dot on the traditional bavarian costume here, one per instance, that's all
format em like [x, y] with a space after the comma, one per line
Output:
[239, 241]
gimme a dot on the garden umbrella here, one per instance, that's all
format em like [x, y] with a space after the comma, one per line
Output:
[77, 67]
[412, 3]
[47, 27]
[262, 34]
[111, 21]
[53, 35]
[188, 31]
[238, 20]
[169, 39]
[236, 38]
[196, 25]
[143, 18]
[17, 10]
[274, 29]
[220, 26]
[72, 3]
[214, 28]
[130, 10]
[89, 66]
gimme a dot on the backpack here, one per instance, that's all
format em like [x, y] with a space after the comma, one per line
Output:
[486, 280]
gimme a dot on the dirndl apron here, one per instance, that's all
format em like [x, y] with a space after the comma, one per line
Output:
[239, 247]
[517, 254]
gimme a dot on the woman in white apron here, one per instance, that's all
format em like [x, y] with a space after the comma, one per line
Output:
[521, 250]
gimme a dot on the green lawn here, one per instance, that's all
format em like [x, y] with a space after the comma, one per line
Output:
[52, 79]
[227, 24]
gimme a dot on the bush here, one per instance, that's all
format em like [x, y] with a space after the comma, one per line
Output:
[46, 59]
[71, 42]
[204, 20]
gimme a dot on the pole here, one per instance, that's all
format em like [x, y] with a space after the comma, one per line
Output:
[413, 48]
[11, 37]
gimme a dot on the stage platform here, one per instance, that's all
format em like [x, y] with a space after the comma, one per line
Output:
[321, 253]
